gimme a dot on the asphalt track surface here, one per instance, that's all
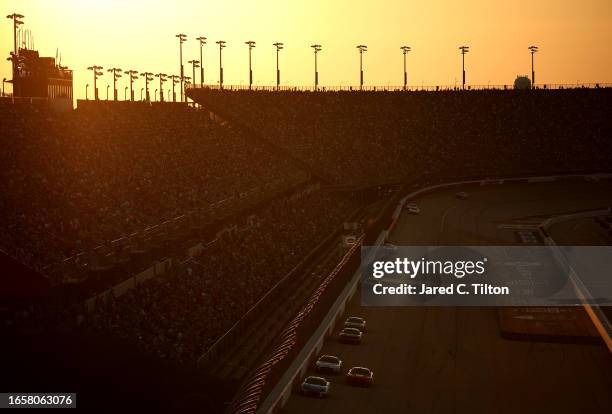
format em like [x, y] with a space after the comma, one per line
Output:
[453, 360]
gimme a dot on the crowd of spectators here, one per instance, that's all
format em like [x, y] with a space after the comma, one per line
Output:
[72, 182]
[178, 316]
[363, 138]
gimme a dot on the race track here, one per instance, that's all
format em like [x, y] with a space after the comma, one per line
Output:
[449, 360]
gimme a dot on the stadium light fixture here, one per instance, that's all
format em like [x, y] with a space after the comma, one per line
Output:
[148, 77]
[175, 80]
[97, 72]
[182, 39]
[251, 44]
[316, 48]
[195, 64]
[464, 50]
[222, 45]
[16, 17]
[162, 78]
[202, 41]
[279, 46]
[405, 50]
[362, 49]
[133, 76]
[116, 75]
[533, 50]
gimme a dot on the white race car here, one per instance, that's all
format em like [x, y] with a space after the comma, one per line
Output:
[329, 363]
[317, 386]
[350, 335]
[355, 322]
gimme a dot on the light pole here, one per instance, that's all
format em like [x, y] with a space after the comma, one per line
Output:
[116, 75]
[279, 46]
[141, 89]
[14, 56]
[195, 64]
[405, 50]
[221, 44]
[3, 82]
[148, 76]
[182, 39]
[87, 91]
[175, 80]
[202, 41]
[317, 49]
[107, 87]
[125, 93]
[362, 49]
[97, 72]
[533, 50]
[251, 45]
[464, 50]
[186, 79]
[133, 76]
[162, 79]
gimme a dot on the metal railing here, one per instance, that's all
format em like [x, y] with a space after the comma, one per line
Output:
[389, 88]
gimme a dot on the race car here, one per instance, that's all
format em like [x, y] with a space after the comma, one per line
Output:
[360, 376]
[355, 322]
[413, 209]
[350, 335]
[316, 386]
[329, 363]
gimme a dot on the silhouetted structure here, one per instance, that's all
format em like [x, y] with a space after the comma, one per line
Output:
[251, 45]
[316, 49]
[362, 49]
[279, 46]
[405, 50]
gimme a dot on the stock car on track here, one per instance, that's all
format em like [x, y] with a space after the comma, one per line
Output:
[329, 363]
[350, 335]
[360, 376]
[355, 322]
[412, 208]
[317, 386]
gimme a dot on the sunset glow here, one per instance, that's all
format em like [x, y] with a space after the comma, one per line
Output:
[574, 39]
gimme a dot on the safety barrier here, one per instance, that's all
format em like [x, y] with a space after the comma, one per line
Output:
[248, 398]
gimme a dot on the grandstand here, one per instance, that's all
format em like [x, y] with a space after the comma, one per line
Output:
[161, 227]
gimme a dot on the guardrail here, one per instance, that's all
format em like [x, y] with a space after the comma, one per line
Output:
[248, 398]
[389, 88]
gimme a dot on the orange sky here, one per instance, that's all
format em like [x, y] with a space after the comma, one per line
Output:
[575, 38]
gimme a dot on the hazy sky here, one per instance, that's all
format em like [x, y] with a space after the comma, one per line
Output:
[575, 38]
